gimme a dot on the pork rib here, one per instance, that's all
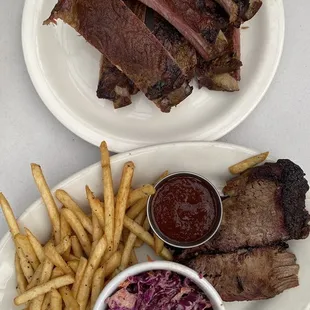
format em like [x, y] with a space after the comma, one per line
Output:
[193, 19]
[112, 28]
[266, 206]
[113, 83]
[251, 274]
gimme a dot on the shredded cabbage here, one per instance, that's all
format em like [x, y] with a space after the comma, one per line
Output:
[158, 290]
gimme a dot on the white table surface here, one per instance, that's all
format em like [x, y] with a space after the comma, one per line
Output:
[30, 133]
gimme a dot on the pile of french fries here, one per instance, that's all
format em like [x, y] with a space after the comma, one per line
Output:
[85, 251]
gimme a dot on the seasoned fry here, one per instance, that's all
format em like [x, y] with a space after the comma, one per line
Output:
[37, 302]
[93, 264]
[78, 276]
[56, 300]
[137, 208]
[76, 246]
[69, 203]
[97, 230]
[25, 264]
[9, 215]
[36, 245]
[64, 245]
[95, 205]
[35, 278]
[57, 272]
[130, 242]
[68, 298]
[248, 163]
[113, 263]
[73, 264]
[20, 278]
[47, 302]
[78, 229]
[139, 193]
[159, 244]
[133, 258]
[162, 176]
[43, 289]
[121, 201]
[144, 235]
[56, 259]
[108, 195]
[65, 230]
[48, 200]
[97, 285]
[146, 227]
[72, 257]
[22, 242]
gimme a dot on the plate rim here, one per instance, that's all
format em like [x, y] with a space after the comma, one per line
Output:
[92, 134]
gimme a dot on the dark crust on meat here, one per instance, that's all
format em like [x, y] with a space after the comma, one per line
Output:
[290, 178]
[251, 274]
[117, 33]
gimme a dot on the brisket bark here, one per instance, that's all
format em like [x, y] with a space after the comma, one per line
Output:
[251, 274]
[116, 32]
[113, 83]
[200, 22]
[266, 205]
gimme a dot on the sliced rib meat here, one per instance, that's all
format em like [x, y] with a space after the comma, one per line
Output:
[116, 32]
[251, 274]
[266, 205]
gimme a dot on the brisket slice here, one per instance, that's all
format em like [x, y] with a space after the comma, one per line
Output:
[222, 73]
[199, 21]
[112, 28]
[251, 274]
[113, 83]
[240, 10]
[266, 205]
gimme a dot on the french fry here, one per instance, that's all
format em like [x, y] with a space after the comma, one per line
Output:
[78, 276]
[46, 305]
[97, 285]
[93, 246]
[47, 269]
[23, 242]
[36, 245]
[25, 264]
[76, 247]
[72, 257]
[20, 278]
[158, 244]
[56, 259]
[43, 289]
[113, 263]
[146, 227]
[35, 278]
[78, 229]
[96, 206]
[133, 258]
[73, 264]
[139, 193]
[57, 272]
[97, 230]
[9, 215]
[130, 242]
[56, 300]
[108, 195]
[145, 236]
[137, 208]
[69, 203]
[121, 201]
[64, 245]
[162, 176]
[93, 264]
[48, 200]
[68, 298]
[248, 163]
[65, 230]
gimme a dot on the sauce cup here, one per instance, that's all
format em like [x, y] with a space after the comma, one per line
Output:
[186, 210]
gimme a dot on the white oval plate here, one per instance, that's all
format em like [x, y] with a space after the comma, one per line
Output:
[208, 159]
[64, 70]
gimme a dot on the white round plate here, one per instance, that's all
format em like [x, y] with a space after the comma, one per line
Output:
[64, 69]
[209, 159]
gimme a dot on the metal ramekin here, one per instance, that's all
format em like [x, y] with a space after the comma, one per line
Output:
[200, 241]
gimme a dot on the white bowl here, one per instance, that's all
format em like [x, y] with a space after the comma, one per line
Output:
[202, 283]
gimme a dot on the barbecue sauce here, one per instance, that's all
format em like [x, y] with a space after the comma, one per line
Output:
[184, 208]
